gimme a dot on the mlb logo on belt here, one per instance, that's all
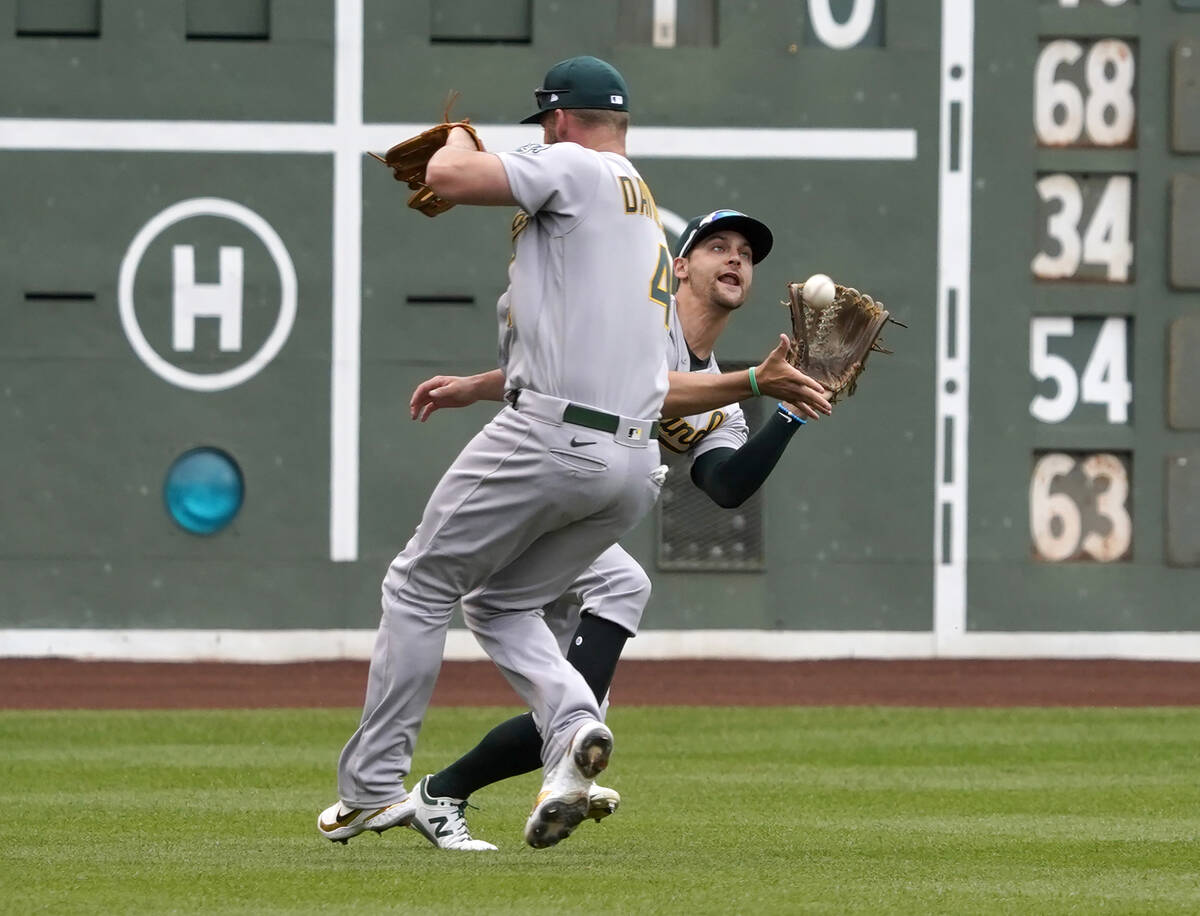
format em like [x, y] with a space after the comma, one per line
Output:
[635, 432]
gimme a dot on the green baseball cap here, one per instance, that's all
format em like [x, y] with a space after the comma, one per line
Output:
[756, 233]
[580, 82]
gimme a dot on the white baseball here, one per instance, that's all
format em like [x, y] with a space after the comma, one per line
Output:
[818, 291]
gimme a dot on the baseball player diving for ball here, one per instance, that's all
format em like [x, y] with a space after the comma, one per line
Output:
[602, 608]
[558, 476]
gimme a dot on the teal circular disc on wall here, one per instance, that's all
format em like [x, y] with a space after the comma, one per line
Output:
[204, 490]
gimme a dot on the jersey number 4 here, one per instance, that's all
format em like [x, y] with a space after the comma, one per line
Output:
[660, 283]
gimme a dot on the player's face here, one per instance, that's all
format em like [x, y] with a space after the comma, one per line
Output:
[719, 269]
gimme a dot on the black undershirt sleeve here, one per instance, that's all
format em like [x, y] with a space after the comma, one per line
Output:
[731, 476]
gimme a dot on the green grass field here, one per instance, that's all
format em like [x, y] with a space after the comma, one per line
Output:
[777, 810]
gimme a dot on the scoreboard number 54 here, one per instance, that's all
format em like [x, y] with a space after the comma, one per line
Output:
[1103, 381]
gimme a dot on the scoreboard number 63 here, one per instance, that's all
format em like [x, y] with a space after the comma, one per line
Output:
[1078, 507]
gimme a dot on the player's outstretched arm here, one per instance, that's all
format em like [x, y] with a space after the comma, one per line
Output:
[462, 174]
[455, 391]
[695, 392]
[731, 476]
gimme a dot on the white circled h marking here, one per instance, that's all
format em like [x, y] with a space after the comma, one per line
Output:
[207, 206]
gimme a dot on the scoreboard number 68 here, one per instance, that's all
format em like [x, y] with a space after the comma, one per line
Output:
[1084, 104]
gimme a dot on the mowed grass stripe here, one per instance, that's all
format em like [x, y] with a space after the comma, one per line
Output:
[730, 810]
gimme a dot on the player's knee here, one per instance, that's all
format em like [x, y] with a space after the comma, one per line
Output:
[399, 605]
[633, 585]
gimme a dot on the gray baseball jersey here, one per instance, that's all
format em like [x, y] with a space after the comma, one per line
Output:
[591, 334]
[700, 433]
[532, 500]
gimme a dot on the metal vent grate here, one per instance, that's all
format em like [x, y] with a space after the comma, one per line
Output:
[694, 533]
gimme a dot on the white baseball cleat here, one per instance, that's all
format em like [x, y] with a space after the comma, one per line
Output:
[602, 801]
[339, 822]
[564, 802]
[441, 820]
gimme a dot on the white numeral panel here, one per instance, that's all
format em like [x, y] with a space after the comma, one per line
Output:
[1079, 507]
[844, 33]
[1084, 227]
[1103, 380]
[1083, 93]
[1075, 3]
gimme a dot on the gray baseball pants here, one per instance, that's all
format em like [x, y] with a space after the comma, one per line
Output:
[511, 525]
[613, 587]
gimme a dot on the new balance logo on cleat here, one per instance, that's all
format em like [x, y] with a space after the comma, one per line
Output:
[442, 827]
[441, 821]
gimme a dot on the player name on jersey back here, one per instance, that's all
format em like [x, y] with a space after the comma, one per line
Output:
[586, 312]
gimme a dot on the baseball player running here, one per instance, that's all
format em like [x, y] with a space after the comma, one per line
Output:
[556, 477]
[603, 606]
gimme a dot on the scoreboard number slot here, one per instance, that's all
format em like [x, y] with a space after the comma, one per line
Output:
[848, 32]
[1084, 104]
[1085, 231]
[1104, 379]
[1078, 507]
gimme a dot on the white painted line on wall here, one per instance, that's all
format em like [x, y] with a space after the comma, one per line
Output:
[762, 645]
[787, 143]
[167, 136]
[772, 143]
[953, 324]
[345, 368]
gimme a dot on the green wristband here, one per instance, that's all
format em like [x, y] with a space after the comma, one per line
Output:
[754, 384]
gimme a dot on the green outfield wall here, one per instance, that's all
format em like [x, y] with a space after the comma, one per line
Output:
[199, 254]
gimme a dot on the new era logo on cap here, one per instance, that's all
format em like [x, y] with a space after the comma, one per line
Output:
[580, 82]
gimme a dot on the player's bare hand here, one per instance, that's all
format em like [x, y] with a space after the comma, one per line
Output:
[441, 391]
[777, 378]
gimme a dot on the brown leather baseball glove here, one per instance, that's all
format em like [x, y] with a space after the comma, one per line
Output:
[409, 158]
[831, 342]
